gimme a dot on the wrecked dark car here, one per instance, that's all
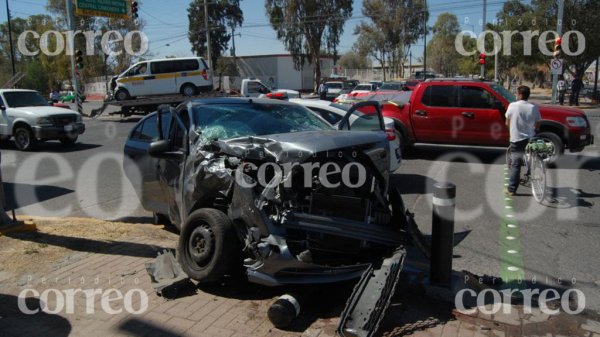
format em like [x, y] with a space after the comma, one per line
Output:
[269, 186]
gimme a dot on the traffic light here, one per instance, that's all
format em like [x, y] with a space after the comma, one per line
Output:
[79, 59]
[134, 9]
[557, 47]
[482, 58]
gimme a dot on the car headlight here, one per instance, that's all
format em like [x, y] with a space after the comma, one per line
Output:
[44, 121]
[578, 122]
[79, 119]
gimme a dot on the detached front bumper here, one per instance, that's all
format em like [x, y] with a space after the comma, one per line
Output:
[58, 132]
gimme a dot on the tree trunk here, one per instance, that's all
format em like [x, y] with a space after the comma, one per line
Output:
[316, 72]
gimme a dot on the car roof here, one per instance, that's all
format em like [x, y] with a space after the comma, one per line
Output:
[311, 102]
[236, 100]
[17, 90]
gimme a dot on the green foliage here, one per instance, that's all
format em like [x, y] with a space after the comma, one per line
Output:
[392, 27]
[443, 56]
[354, 60]
[541, 15]
[307, 26]
[222, 15]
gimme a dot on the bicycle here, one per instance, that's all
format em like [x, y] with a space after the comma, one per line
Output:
[537, 152]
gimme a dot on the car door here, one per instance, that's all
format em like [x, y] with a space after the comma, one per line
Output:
[436, 116]
[171, 169]
[482, 116]
[163, 77]
[367, 116]
[141, 168]
[137, 80]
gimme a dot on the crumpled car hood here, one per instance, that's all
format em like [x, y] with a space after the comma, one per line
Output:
[297, 146]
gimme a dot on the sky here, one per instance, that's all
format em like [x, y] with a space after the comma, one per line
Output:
[167, 23]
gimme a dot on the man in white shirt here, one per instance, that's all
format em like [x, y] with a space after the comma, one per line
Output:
[323, 91]
[523, 119]
[561, 86]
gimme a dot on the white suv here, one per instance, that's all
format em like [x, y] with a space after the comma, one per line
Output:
[27, 117]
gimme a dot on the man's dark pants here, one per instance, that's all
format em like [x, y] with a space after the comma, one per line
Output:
[561, 97]
[574, 98]
[323, 96]
[517, 153]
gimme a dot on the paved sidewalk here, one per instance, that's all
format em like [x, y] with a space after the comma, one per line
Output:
[115, 270]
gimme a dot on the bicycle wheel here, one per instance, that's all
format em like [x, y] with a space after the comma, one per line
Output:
[538, 178]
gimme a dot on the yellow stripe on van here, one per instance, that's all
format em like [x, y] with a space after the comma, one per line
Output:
[159, 76]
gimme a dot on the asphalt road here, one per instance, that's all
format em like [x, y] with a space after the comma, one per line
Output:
[555, 242]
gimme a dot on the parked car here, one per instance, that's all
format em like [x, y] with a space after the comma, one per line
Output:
[27, 117]
[187, 76]
[70, 96]
[364, 88]
[411, 84]
[376, 83]
[333, 113]
[394, 86]
[471, 112]
[352, 83]
[335, 88]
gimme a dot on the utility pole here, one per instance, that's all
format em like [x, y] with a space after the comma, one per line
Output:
[595, 95]
[233, 45]
[484, 19]
[425, 43]
[10, 41]
[409, 64]
[561, 10]
[71, 47]
[207, 35]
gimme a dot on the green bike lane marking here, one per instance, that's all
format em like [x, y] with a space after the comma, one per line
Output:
[511, 258]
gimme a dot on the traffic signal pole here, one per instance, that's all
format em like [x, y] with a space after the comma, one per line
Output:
[484, 19]
[561, 10]
[71, 50]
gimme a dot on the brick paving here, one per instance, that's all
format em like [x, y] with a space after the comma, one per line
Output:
[229, 310]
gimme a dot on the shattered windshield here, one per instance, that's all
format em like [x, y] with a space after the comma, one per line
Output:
[226, 121]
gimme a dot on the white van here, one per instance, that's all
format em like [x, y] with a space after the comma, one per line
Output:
[186, 76]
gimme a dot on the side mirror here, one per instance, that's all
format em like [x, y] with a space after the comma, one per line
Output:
[159, 148]
[2, 107]
[162, 149]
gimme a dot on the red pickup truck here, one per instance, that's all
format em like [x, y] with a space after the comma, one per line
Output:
[471, 112]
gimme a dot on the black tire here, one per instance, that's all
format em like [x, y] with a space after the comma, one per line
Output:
[538, 178]
[208, 248]
[122, 95]
[69, 140]
[189, 90]
[559, 145]
[24, 138]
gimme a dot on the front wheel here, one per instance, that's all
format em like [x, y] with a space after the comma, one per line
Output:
[208, 247]
[538, 178]
[24, 139]
[122, 95]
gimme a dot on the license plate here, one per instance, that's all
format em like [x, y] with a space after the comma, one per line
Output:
[69, 128]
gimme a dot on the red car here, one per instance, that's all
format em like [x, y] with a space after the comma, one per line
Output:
[471, 112]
